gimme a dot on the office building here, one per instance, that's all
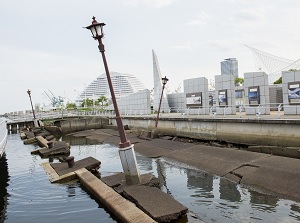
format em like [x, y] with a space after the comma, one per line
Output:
[230, 67]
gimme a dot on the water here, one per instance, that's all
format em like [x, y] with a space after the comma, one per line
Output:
[32, 198]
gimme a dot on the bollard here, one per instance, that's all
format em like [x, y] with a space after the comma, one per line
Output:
[70, 161]
[50, 144]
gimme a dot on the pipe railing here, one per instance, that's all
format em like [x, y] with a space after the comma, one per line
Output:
[214, 111]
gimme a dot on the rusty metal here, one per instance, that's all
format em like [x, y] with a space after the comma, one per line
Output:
[29, 93]
[164, 82]
[98, 36]
[70, 161]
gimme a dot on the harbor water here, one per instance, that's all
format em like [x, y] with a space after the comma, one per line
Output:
[28, 196]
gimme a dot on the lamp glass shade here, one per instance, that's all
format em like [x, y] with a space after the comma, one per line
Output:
[164, 80]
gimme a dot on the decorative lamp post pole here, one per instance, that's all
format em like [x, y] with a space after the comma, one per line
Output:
[126, 151]
[164, 82]
[34, 118]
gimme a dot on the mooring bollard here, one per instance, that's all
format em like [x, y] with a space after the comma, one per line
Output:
[50, 145]
[70, 161]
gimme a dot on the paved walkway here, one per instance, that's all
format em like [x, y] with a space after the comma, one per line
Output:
[275, 175]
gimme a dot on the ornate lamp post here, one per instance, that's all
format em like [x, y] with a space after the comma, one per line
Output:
[164, 82]
[126, 150]
[34, 118]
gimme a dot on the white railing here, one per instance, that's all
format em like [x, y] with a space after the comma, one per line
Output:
[3, 135]
[239, 111]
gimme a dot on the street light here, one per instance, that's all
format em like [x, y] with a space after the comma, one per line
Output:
[126, 150]
[34, 119]
[164, 82]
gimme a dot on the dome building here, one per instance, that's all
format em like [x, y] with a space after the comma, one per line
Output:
[123, 84]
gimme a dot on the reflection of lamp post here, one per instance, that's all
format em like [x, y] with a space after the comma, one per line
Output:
[126, 150]
[164, 81]
[34, 119]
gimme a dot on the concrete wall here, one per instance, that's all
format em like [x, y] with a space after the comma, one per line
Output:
[260, 80]
[134, 104]
[226, 83]
[75, 125]
[253, 132]
[177, 102]
[289, 77]
[196, 85]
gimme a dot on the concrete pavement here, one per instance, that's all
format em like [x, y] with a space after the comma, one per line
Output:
[276, 175]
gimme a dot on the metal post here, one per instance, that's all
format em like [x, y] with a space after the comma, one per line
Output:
[126, 151]
[34, 118]
[162, 93]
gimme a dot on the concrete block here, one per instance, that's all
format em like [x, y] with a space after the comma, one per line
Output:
[290, 110]
[297, 75]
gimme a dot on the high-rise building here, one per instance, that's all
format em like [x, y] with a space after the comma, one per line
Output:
[230, 67]
[123, 84]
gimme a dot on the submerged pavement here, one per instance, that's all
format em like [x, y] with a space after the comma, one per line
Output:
[275, 175]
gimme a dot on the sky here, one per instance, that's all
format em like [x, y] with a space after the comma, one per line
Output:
[43, 45]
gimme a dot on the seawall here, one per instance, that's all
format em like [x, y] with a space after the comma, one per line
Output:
[281, 132]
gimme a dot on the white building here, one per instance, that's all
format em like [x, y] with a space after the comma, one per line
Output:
[123, 84]
[230, 67]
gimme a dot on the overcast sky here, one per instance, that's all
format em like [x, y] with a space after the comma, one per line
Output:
[43, 45]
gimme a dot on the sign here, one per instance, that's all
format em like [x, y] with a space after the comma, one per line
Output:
[253, 96]
[222, 97]
[194, 99]
[294, 93]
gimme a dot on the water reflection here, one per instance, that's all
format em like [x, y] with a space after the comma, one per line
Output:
[4, 177]
[228, 191]
[210, 198]
[215, 199]
[262, 202]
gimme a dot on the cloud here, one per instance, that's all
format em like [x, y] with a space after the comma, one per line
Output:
[201, 19]
[149, 3]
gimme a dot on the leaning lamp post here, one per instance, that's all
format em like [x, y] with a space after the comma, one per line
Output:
[126, 150]
[164, 82]
[34, 118]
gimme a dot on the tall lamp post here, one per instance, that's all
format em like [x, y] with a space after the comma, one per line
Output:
[164, 82]
[126, 151]
[34, 118]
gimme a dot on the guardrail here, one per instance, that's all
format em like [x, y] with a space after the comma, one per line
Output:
[277, 111]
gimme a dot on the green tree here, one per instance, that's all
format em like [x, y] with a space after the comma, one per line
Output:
[278, 81]
[70, 105]
[238, 81]
[102, 100]
[88, 102]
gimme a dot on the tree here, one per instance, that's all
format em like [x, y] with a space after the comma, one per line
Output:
[70, 105]
[88, 102]
[278, 81]
[238, 81]
[102, 100]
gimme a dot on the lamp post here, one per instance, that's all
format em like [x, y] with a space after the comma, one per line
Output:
[34, 118]
[126, 150]
[164, 82]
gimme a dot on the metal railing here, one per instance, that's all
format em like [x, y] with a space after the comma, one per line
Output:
[239, 111]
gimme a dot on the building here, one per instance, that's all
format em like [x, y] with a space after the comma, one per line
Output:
[123, 84]
[230, 67]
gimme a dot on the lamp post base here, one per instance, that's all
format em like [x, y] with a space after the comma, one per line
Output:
[36, 122]
[129, 164]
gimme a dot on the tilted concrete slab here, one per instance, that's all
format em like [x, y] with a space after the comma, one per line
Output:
[42, 141]
[118, 182]
[157, 204]
[54, 177]
[123, 209]
[60, 172]
[89, 163]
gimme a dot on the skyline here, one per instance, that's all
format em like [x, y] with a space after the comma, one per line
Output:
[45, 41]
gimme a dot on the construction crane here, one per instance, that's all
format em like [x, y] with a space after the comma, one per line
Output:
[55, 101]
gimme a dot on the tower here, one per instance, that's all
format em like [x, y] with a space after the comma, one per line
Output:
[158, 87]
[230, 67]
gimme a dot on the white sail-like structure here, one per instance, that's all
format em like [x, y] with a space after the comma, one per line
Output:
[158, 88]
